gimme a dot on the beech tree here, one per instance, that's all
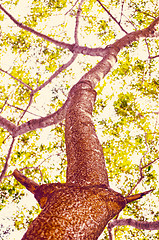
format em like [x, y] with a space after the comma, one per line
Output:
[82, 74]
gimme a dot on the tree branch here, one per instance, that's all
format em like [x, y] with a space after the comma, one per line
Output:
[21, 109]
[140, 165]
[122, 8]
[43, 121]
[21, 82]
[56, 73]
[7, 159]
[34, 124]
[71, 47]
[77, 22]
[26, 182]
[29, 29]
[150, 31]
[29, 104]
[154, 57]
[147, 165]
[134, 223]
[121, 43]
[5, 103]
[72, 7]
[9, 126]
[112, 16]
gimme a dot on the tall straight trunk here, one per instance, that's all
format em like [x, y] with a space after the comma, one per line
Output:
[85, 159]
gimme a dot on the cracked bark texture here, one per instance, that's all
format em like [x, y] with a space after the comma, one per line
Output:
[85, 159]
[74, 212]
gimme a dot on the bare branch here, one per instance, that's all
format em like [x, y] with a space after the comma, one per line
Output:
[134, 223]
[26, 85]
[43, 122]
[77, 22]
[35, 168]
[38, 123]
[55, 74]
[139, 180]
[34, 124]
[112, 17]
[150, 31]
[72, 7]
[122, 8]
[154, 57]
[140, 166]
[137, 196]
[130, 22]
[148, 50]
[147, 165]
[71, 47]
[110, 232]
[7, 159]
[141, 160]
[144, 166]
[5, 103]
[21, 25]
[21, 109]
[29, 104]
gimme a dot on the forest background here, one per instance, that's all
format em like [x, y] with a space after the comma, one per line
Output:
[125, 114]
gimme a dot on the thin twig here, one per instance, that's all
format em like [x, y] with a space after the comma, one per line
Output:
[77, 21]
[21, 109]
[7, 160]
[72, 7]
[5, 103]
[141, 160]
[122, 8]
[112, 17]
[130, 22]
[20, 81]
[29, 104]
[140, 179]
[37, 167]
[55, 74]
[140, 166]
[44, 161]
[148, 50]
[147, 165]
[154, 57]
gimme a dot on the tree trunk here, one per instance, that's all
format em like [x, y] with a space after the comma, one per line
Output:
[80, 208]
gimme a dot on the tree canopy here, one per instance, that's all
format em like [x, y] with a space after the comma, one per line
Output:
[46, 47]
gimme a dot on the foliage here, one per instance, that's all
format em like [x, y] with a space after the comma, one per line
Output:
[126, 111]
